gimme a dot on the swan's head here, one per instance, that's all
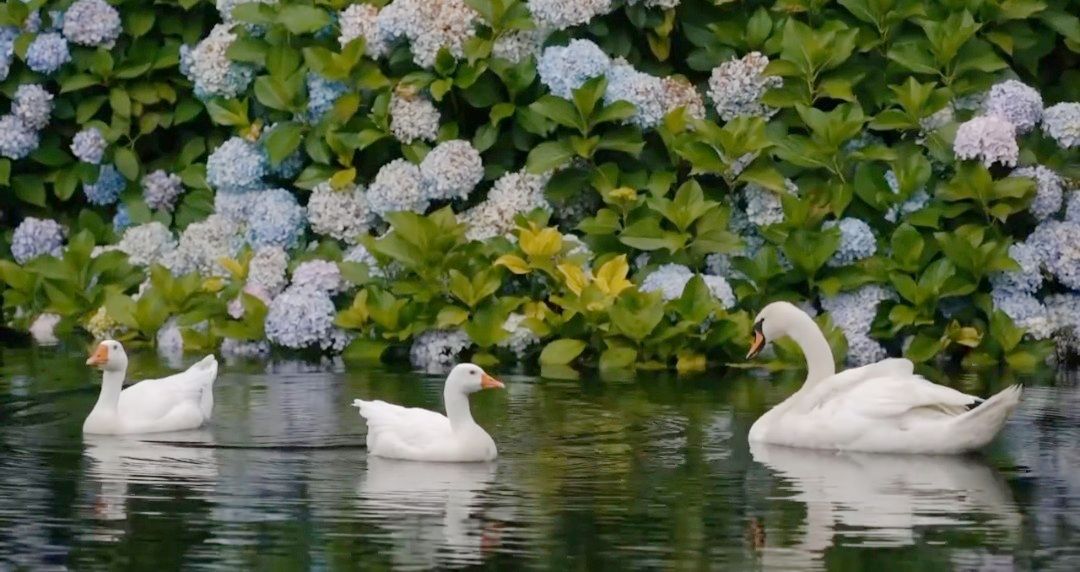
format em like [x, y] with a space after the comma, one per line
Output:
[109, 356]
[470, 378]
[771, 324]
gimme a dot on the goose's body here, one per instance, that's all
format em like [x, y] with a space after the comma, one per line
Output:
[416, 434]
[882, 407]
[175, 403]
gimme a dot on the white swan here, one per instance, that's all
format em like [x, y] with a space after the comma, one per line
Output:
[175, 403]
[882, 407]
[417, 434]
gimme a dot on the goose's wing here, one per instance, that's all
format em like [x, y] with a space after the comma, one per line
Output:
[156, 398]
[411, 427]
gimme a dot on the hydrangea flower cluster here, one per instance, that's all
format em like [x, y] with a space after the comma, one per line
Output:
[361, 21]
[89, 145]
[122, 219]
[435, 351]
[32, 105]
[521, 338]
[513, 193]
[1016, 103]
[237, 165]
[339, 213]
[645, 91]
[36, 237]
[856, 241]
[92, 23]
[147, 244]
[853, 312]
[670, 280]
[47, 53]
[321, 275]
[429, 26]
[1028, 279]
[7, 49]
[565, 68]
[518, 45]
[208, 66]
[763, 206]
[989, 139]
[303, 318]
[161, 189]
[915, 202]
[322, 94]
[102, 326]
[413, 118]
[562, 14]
[107, 188]
[1049, 193]
[267, 269]
[1062, 123]
[1057, 244]
[276, 219]
[360, 255]
[736, 87]
[203, 244]
[451, 170]
[17, 140]
[397, 186]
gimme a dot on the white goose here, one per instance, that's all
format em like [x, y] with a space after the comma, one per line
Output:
[882, 407]
[416, 434]
[175, 403]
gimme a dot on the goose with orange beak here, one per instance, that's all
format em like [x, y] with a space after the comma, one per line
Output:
[416, 434]
[175, 403]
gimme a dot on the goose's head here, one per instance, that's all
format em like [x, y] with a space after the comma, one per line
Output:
[773, 323]
[470, 378]
[109, 356]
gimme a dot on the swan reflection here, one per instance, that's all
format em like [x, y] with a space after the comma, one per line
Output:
[432, 512]
[880, 500]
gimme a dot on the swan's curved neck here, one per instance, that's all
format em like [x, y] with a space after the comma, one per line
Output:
[457, 409]
[112, 383]
[815, 348]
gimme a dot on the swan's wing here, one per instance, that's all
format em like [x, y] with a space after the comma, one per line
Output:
[840, 383]
[156, 398]
[891, 396]
[411, 427]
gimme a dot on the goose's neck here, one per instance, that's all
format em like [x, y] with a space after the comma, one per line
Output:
[112, 383]
[815, 348]
[457, 409]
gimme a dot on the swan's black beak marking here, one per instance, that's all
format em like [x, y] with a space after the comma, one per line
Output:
[759, 342]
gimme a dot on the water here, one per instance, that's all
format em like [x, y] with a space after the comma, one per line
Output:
[644, 473]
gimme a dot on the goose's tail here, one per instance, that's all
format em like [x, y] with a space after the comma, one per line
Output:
[982, 423]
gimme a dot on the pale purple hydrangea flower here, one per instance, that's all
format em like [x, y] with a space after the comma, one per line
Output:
[321, 275]
[89, 145]
[1057, 245]
[17, 140]
[304, 318]
[32, 105]
[47, 53]
[989, 139]
[275, 219]
[161, 189]
[36, 237]
[1049, 193]
[1062, 123]
[92, 23]
[1016, 103]
[736, 87]
[435, 351]
[451, 170]
[1025, 311]
[1028, 279]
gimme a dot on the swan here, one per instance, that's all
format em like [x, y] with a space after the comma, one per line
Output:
[415, 434]
[882, 407]
[175, 403]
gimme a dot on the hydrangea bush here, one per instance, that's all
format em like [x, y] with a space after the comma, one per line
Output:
[614, 183]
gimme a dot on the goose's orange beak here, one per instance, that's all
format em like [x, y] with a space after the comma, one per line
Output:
[488, 382]
[757, 345]
[99, 357]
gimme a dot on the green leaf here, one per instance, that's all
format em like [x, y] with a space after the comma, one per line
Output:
[618, 358]
[127, 163]
[301, 19]
[548, 156]
[283, 140]
[561, 352]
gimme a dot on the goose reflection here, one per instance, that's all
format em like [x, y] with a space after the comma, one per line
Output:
[432, 512]
[880, 500]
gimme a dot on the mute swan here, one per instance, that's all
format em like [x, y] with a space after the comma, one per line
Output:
[882, 407]
[415, 434]
[175, 403]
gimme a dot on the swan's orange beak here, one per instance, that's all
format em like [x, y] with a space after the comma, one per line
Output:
[488, 382]
[99, 357]
[757, 345]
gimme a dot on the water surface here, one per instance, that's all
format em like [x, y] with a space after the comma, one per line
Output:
[645, 473]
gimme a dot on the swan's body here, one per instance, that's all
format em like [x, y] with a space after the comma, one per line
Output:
[882, 407]
[416, 434]
[175, 403]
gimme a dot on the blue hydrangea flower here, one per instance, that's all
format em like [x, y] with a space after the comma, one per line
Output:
[322, 93]
[853, 312]
[122, 219]
[1062, 123]
[856, 241]
[106, 190]
[161, 189]
[1016, 103]
[237, 165]
[32, 105]
[47, 53]
[92, 23]
[645, 91]
[1025, 311]
[1057, 245]
[17, 140]
[7, 49]
[1049, 190]
[303, 318]
[451, 170]
[1028, 279]
[89, 145]
[275, 219]
[565, 68]
[235, 206]
[36, 237]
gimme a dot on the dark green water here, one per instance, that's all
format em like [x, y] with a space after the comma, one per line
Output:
[648, 473]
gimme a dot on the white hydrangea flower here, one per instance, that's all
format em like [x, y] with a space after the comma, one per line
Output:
[518, 45]
[398, 186]
[102, 326]
[664, 4]
[451, 170]
[1062, 123]
[429, 25]
[736, 87]
[436, 351]
[513, 193]
[208, 66]
[1050, 190]
[1016, 103]
[670, 280]
[562, 14]
[937, 120]
[989, 139]
[413, 118]
[565, 68]
[521, 338]
[147, 244]
[361, 21]
[267, 269]
[342, 214]
[203, 244]
[646, 92]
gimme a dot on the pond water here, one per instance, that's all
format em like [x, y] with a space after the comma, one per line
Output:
[643, 473]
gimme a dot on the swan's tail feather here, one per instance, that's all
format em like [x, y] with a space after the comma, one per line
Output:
[982, 423]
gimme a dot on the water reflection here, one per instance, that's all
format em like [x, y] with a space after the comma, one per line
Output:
[432, 513]
[861, 499]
